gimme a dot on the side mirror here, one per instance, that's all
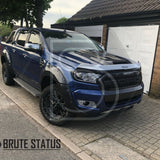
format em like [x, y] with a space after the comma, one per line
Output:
[32, 47]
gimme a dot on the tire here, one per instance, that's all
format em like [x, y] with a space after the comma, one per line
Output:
[130, 107]
[52, 106]
[7, 75]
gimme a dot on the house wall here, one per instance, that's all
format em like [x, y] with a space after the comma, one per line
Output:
[104, 36]
[155, 86]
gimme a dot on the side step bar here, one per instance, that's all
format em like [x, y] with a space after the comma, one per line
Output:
[29, 88]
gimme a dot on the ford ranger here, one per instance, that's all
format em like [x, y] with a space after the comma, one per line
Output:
[69, 72]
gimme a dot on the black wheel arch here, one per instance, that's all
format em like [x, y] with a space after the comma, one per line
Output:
[47, 78]
[52, 75]
[5, 57]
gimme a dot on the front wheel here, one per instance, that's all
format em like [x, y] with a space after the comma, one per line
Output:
[53, 106]
[130, 107]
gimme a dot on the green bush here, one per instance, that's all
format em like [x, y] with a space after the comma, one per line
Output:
[4, 30]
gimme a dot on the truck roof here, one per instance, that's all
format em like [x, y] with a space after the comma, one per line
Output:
[46, 29]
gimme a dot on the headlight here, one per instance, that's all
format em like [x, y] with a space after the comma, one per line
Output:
[86, 77]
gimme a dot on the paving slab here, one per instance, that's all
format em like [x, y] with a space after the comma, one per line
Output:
[108, 149]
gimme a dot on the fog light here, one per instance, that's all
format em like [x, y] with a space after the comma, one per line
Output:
[89, 104]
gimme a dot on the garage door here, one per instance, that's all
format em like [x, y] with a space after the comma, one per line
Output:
[91, 31]
[137, 43]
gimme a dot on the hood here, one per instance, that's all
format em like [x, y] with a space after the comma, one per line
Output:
[89, 58]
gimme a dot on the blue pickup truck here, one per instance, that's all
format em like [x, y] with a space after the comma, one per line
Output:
[69, 72]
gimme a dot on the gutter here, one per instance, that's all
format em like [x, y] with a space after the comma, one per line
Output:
[140, 18]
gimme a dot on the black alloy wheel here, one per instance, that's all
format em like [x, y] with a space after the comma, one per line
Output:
[53, 106]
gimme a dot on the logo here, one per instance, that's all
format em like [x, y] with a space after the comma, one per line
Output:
[30, 144]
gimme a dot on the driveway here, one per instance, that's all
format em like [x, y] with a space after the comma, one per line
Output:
[14, 124]
[138, 128]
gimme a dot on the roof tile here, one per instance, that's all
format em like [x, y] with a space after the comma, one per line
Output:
[100, 8]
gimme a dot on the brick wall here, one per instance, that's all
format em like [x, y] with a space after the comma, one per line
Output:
[104, 38]
[155, 86]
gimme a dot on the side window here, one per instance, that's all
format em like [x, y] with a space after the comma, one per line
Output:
[11, 37]
[22, 38]
[35, 38]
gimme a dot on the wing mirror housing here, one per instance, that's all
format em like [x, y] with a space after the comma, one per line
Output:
[32, 47]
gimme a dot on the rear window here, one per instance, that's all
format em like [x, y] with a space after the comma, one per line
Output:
[22, 38]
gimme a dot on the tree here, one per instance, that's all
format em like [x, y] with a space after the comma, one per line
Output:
[61, 20]
[40, 10]
[11, 11]
[29, 11]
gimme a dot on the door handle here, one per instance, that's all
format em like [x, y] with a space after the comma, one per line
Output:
[13, 50]
[24, 55]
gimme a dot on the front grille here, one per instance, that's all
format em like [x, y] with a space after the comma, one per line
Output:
[120, 79]
[121, 101]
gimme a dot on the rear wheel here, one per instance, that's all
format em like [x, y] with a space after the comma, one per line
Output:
[7, 74]
[53, 106]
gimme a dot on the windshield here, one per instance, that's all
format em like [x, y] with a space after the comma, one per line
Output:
[59, 41]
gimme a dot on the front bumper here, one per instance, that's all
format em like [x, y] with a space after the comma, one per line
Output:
[109, 100]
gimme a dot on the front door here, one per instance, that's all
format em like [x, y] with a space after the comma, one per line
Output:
[32, 66]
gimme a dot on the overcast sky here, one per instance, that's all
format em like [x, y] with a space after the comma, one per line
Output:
[63, 8]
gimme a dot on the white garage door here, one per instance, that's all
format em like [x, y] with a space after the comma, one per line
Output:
[137, 43]
[91, 31]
